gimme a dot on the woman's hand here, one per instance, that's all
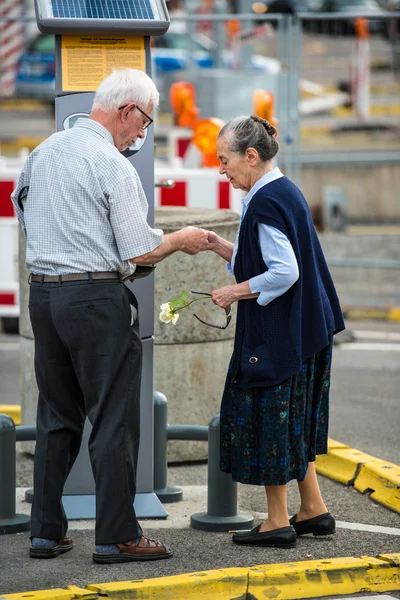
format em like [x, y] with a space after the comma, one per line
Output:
[212, 239]
[224, 296]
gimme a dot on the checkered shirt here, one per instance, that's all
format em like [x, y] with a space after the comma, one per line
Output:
[86, 209]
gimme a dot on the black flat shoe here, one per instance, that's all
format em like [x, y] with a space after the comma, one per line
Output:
[284, 537]
[321, 525]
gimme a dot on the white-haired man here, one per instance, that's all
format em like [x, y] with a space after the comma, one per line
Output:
[84, 217]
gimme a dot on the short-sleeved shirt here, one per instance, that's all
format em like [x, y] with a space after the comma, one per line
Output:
[86, 210]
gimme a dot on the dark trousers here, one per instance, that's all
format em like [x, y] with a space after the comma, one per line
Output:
[88, 360]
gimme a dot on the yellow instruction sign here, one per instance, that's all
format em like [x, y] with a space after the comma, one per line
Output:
[86, 60]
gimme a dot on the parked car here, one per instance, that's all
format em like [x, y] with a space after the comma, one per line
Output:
[171, 52]
[345, 26]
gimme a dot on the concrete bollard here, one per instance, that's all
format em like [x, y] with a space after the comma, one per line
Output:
[10, 522]
[164, 492]
[185, 356]
[221, 512]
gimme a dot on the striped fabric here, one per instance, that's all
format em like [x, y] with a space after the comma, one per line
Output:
[86, 209]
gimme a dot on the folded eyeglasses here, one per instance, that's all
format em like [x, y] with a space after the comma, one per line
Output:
[227, 313]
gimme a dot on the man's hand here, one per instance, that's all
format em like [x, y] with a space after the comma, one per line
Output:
[193, 240]
[190, 240]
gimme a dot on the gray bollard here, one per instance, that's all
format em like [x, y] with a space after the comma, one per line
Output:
[221, 512]
[164, 492]
[10, 522]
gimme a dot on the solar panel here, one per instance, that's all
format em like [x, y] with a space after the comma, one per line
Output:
[102, 9]
[107, 17]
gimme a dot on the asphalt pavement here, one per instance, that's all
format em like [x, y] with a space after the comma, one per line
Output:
[199, 550]
[364, 414]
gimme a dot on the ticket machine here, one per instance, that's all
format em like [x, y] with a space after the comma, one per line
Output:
[93, 37]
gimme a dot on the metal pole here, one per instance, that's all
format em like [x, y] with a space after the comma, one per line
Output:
[10, 522]
[192, 433]
[294, 60]
[221, 512]
[164, 492]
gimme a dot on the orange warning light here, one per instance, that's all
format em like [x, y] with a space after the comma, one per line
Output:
[263, 106]
[205, 135]
[232, 28]
[361, 27]
[182, 96]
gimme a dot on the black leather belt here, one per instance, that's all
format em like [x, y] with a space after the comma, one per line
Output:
[74, 277]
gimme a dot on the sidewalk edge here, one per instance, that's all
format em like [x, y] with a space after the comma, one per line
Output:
[367, 474]
[287, 581]
[358, 313]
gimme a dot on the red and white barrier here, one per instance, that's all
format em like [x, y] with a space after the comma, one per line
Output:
[9, 286]
[11, 43]
[197, 188]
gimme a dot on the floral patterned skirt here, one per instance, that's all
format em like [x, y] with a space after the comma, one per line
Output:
[270, 434]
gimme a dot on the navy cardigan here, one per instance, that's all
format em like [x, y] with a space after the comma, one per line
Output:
[272, 342]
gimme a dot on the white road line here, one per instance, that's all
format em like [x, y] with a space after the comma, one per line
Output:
[369, 346]
[380, 597]
[12, 347]
[376, 335]
[371, 528]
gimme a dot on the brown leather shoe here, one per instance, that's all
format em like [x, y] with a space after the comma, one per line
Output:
[63, 545]
[146, 549]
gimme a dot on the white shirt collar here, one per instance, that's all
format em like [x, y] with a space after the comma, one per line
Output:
[95, 126]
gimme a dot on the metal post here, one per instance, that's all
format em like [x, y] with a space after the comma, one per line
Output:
[164, 492]
[221, 512]
[10, 522]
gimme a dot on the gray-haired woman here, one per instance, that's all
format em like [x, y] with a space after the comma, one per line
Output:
[274, 411]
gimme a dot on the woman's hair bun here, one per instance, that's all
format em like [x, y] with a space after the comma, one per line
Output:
[270, 129]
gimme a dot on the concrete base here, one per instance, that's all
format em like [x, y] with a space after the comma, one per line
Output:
[169, 494]
[207, 522]
[190, 359]
[17, 524]
[192, 377]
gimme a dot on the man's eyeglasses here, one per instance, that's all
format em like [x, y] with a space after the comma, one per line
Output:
[227, 313]
[147, 123]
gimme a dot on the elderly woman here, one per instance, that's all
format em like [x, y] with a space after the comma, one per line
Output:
[274, 411]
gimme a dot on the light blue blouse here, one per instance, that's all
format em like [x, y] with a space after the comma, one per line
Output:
[277, 252]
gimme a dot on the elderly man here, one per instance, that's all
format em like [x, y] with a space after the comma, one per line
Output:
[84, 216]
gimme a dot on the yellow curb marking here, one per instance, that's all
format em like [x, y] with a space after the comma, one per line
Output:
[394, 314]
[384, 479]
[371, 313]
[324, 578]
[215, 585]
[70, 593]
[13, 104]
[286, 581]
[13, 411]
[29, 142]
[374, 110]
[363, 471]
